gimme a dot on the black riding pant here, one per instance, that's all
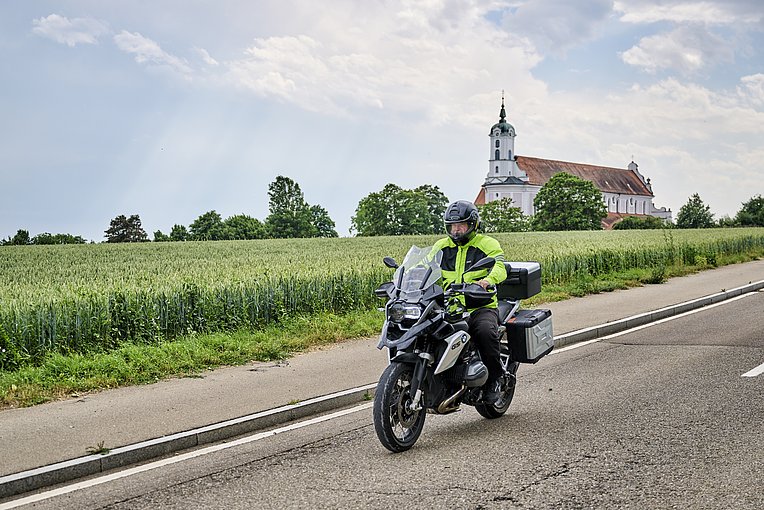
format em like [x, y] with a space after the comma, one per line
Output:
[484, 331]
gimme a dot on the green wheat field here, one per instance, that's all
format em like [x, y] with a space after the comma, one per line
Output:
[92, 298]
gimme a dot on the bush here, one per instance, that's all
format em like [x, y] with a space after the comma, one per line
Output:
[639, 223]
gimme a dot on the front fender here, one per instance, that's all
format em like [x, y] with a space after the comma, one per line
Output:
[405, 357]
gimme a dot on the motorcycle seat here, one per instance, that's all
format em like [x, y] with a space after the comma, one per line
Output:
[505, 307]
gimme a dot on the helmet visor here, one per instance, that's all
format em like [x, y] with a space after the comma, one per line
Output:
[458, 229]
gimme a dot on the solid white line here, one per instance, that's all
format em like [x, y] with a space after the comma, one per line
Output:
[178, 458]
[661, 321]
[756, 371]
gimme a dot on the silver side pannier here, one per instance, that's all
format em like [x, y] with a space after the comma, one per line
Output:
[530, 336]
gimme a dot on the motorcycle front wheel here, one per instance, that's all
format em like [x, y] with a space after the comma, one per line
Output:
[397, 426]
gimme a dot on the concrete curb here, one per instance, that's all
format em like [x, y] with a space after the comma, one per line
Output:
[609, 328]
[61, 472]
[25, 481]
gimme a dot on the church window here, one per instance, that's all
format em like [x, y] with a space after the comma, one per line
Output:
[497, 169]
[496, 154]
[510, 154]
[497, 144]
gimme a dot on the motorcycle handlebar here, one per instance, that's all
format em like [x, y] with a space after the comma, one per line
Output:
[471, 288]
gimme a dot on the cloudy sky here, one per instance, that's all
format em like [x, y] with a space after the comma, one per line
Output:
[172, 108]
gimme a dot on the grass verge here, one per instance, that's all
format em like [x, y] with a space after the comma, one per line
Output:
[61, 376]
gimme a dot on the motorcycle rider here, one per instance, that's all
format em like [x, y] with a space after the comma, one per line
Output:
[465, 246]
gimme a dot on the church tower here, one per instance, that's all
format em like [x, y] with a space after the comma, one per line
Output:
[502, 160]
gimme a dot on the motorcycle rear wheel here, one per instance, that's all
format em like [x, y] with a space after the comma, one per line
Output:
[397, 427]
[498, 409]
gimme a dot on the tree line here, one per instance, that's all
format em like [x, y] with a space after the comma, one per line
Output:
[290, 216]
[565, 202]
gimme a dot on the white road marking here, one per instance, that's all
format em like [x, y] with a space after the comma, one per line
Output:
[661, 321]
[178, 458]
[756, 371]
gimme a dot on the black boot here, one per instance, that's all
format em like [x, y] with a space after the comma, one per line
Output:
[492, 392]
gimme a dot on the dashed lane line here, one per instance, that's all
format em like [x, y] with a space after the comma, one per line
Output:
[756, 371]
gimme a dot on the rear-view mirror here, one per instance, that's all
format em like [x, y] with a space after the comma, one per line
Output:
[390, 262]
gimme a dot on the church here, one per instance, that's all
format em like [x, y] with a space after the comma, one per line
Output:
[625, 192]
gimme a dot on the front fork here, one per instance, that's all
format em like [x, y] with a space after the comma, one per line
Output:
[418, 379]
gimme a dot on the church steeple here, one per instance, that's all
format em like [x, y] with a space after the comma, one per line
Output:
[501, 161]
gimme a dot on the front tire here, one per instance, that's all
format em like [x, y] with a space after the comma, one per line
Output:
[396, 425]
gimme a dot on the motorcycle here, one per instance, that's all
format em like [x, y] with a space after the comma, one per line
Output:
[433, 366]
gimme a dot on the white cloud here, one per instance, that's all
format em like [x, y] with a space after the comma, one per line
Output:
[752, 89]
[557, 25]
[70, 31]
[418, 84]
[684, 11]
[685, 49]
[206, 58]
[687, 138]
[411, 59]
[148, 51]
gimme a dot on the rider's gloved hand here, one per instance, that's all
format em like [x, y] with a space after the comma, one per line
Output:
[484, 283]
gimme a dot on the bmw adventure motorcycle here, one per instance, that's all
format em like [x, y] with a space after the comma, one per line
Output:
[434, 367]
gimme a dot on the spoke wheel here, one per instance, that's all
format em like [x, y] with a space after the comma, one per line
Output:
[508, 384]
[397, 426]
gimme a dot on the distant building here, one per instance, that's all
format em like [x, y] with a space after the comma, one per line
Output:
[625, 192]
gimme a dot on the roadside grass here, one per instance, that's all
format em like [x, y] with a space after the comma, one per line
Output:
[63, 376]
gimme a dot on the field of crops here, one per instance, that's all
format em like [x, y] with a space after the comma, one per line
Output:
[76, 298]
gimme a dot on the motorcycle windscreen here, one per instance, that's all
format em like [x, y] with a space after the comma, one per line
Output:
[419, 270]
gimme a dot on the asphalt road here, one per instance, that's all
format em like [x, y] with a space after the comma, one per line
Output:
[661, 417]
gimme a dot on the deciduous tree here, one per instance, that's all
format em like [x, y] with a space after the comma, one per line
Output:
[21, 238]
[396, 211]
[567, 202]
[179, 233]
[436, 205]
[752, 213]
[207, 227]
[323, 224]
[126, 230]
[160, 237]
[290, 214]
[241, 226]
[46, 238]
[501, 216]
[639, 222]
[695, 214]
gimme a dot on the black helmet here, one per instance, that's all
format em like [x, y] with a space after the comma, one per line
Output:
[462, 211]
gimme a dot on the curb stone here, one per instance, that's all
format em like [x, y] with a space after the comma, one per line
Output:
[61, 472]
[610, 328]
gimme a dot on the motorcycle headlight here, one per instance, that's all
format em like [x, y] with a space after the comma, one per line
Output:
[399, 312]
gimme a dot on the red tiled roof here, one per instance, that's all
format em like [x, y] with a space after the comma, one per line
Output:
[607, 179]
[480, 200]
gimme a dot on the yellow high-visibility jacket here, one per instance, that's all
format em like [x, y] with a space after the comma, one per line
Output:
[456, 258]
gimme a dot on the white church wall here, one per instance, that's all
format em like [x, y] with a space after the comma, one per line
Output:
[523, 195]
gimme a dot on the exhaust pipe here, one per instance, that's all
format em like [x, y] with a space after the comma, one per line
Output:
[445, 406]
